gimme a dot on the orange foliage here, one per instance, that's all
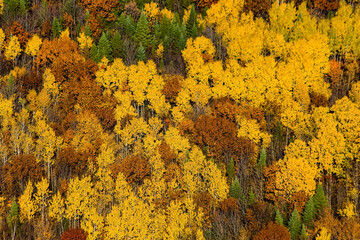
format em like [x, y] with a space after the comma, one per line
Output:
[298, 200]
[135, 169]
[220, 135]
[95, 26]
[74, 234]
[31, 80]
[101, 8]
[335, 72]
[326, 5]
[172, 87]
[318, 100]
[17, 30]
[70, 161]
[205, 3]
[229, 205]
[270, 181]
[45, 29]
[273, 231]
[19, 171]
[258, 7]
[167, 154]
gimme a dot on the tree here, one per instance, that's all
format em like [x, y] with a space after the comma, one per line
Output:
[104, 47]
[28, 206]
[309, 213]
[191, 22]
[85, 41]
[117, 45]
[13, 49]
[235, 189]
[140, 53]
[278, 218]
[272, 231]
[294, 224]
[74, 233]
[33, 45]
[55, 28]
[142, 32]
[13, 218]
[319, 199]
[262, 159]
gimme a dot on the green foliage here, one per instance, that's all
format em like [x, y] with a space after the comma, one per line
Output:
[142, 33]
[235, 189]
[230, 169]
[104, 47]
[94, 53]
[303, 234]
[278, 217]
[55, 28]
[262, 159]
[294, 224]
[251, 197]
[13, 216]
[23, 6]
[117, 45]
[309, 212]
[129, 26]
[140, 53]
[191, 23]
[87, 30]
[320, 200]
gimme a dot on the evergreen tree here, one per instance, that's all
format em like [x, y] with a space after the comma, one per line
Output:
[140, 53]
[181, 43]
[262, 159]
[303, 234]
[235, 189]
[121, 22]
[23, 6]
[309, 213]
[278, 218]
[56, 28]
[194, 31]
[104, 47]
[117, 45]
[191, 22]
[13, 217]
[251, 197]
[319, 199]
[129, 26]
[164, 27]
[294, 224]
[142, 33]
[230, 169]
[87, 30]
[94, 53]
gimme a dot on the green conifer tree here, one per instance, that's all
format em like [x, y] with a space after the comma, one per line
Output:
[319, 199]
[303, 234]
[87, 30]
[309, 213]
[230, 169]
[104, 47]
[235, 189]
[129, 26]
[55, 28]
[262, 159]
[278, 218]
[13, 217]
[23, 6]
[191, 22]
[94, 53]
[294, 224]
[117, 45]
[140, 53]
[251, 197]
[142, 33]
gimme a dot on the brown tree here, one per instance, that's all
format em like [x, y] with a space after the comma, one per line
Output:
[273, 231]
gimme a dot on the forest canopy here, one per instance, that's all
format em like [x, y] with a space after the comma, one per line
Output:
[179, 119]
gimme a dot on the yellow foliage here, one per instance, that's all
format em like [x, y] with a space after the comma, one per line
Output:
[13, 49]
[85, 42]
[348, 211]
[33, 45]
[160, 51]
[56, 207]
[2, 37]
[27, 205]
[167, 13]
[296, 172]
[176, 142]
[251, 129]
[1, 7]
[324, 234]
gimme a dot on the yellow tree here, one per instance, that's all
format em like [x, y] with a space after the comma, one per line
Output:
[85, 42]
[42, 195]
[27, 204]
[57, 207]
[33, 45]
[296, 172]
[177, 143]
[2, 38]
[13, 49]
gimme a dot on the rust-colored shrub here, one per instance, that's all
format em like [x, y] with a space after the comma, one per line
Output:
[135, 169]
[74, 234]
[273, 231]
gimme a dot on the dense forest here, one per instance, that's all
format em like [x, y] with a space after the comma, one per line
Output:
[179, 119]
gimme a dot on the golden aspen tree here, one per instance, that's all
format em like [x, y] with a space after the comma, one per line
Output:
[13, 49]
[47, 142]
[79, 198]
[282, 18]
[42, 195]
[296, 172]
[113, 77]
[177, 143]
[85, 42]
[92, 223]
[27, 204]
[57, 207]
[33, 45]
